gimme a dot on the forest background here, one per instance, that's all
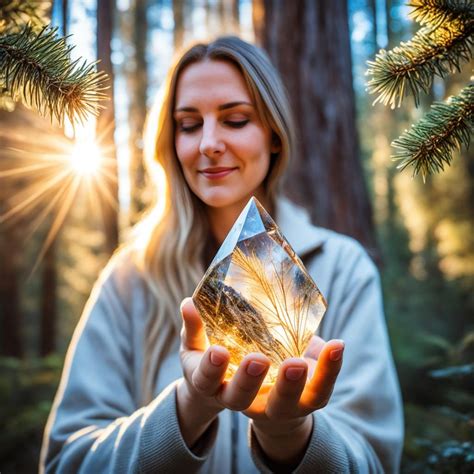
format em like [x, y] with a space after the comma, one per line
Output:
[61, 216]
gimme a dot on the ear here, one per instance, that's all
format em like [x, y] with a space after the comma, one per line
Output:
[275, 146]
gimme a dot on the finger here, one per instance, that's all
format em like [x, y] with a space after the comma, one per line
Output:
[193, 335]
[318, 391]
[209, 375]
[241, 390]
[314, 347]
[285, 394]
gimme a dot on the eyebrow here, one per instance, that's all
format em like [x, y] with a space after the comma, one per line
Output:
[228, 105]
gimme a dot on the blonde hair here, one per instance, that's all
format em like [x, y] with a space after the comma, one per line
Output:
[173, 244]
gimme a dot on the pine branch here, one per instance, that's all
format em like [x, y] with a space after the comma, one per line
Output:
[434, 13]
[15, 14]
[428, 146]
[36, 68]
[412, 65]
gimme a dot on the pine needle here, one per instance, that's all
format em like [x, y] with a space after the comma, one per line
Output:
[411, 66]
[429, 144]
[434, 13]
[15, 14]
[36, 69]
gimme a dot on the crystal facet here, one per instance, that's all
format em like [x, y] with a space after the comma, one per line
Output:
[257, 296]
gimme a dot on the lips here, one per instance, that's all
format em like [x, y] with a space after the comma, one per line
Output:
[217, 172]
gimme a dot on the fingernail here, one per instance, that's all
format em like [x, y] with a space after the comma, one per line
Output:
[183, 303]
[336, 354]
[216, 359]
[294, 373]
[256, 368]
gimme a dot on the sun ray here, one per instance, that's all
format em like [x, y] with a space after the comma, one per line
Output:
[58, 221]
[33, 198]
[26, 169]
[42, 215]
[50, 174]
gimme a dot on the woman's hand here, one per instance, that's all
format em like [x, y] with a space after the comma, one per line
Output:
[282, 420]
[203, 393]
[281, 413]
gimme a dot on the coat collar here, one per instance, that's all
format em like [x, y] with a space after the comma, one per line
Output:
[296, 227]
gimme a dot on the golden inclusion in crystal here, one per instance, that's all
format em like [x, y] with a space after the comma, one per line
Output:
[257, 296]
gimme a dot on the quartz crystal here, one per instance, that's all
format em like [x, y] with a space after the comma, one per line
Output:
[257, 296]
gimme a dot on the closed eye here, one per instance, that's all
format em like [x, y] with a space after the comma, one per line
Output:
[188, 128]
[237, 124]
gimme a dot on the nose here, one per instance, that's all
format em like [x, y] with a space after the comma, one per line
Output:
[211, 144]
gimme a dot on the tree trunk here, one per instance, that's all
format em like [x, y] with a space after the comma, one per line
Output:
[106, 127]
[48, 302]
[47, 336]
[178, 31]
[65, 16]
[309, 43]
[10, 251]
[137, 111]
[235, 11]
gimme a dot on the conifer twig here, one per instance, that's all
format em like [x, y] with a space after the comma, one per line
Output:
[15, 14]
[429, 144]
[412, 65]
[36, 68]
[434, 13]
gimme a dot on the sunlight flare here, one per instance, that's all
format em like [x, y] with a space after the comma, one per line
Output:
[45, 178]
[86, 159]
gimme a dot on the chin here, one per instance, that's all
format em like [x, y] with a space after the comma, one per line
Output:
[221, 200]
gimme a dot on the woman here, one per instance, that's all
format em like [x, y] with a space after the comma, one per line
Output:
[137, 397]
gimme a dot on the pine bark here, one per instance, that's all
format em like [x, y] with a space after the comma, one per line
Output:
[309, 43]
[106, 127]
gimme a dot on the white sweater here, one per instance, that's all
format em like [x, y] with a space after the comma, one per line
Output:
[98, 425]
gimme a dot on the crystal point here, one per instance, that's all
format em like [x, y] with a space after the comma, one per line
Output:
[257, 296]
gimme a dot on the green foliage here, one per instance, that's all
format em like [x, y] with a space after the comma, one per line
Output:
[428, 145]
[454, 455]
[36, 66]
[26, 393]
[430, 327]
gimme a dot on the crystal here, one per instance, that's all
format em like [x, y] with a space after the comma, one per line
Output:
[257, 296]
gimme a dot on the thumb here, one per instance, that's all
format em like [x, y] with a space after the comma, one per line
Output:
[193, 334]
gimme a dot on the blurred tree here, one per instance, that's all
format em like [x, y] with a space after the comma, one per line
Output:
[31, 185]
[178, 17]
[11, 343]
[309, 43]
[105, 128]
[48, 301]
[138, 86]
[49, 274]
[228, 13]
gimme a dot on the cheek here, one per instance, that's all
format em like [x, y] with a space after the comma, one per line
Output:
[256, 149]
[185, 149]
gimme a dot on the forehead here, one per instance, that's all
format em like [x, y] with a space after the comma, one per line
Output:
[211, 79]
